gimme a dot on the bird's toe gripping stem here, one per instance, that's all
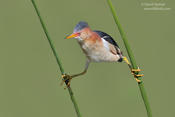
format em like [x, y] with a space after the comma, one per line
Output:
[136, 74]
[66, 78]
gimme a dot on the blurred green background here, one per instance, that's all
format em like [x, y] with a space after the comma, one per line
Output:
[30, 78]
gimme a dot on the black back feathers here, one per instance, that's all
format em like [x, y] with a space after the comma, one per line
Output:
[109, 39]
[106, 37]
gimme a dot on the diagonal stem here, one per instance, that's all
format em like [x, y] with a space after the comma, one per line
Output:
[57, 59]
[132, 59]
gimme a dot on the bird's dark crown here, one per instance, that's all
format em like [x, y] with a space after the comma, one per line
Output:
[81, 25]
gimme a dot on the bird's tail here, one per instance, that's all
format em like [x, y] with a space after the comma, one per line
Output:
[120, 55]
[120, 59]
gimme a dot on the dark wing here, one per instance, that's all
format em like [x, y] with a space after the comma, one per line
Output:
[106, 37]
[109, 39]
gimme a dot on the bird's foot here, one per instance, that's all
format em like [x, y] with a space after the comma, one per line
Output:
[135, 70]
[136, 74]
[139, 81]
[66, 78]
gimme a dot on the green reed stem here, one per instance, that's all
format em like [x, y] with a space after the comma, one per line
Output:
[132, 59]
[57, 58]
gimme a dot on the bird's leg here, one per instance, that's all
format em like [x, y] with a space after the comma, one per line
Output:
[82, 73]
[133, 71]
[76, 75]
[67, 78]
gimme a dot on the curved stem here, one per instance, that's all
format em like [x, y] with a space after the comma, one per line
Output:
[132, 59]
[57, 58]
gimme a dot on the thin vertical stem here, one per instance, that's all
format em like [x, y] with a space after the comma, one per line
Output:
[48, 37]
[57, 58]
[132, 59]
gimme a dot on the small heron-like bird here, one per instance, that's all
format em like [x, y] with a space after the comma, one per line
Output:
[98, 47]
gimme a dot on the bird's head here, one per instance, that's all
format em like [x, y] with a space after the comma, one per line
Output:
[81, 31]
